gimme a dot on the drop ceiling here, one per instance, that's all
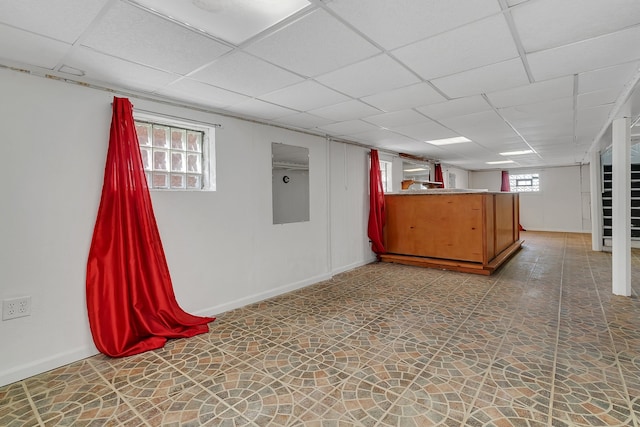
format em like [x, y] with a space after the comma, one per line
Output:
[509, 75]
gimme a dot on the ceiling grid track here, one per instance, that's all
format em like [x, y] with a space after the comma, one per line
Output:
[394, 76]
[516, 38]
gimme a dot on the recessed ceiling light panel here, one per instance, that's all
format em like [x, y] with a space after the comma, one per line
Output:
[231, 20]
[516, 153]
[500, 162]
[447, 141]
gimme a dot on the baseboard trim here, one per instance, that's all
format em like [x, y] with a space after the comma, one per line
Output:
[36, 367]
[39, 366]
[352, 266]
[241, 302]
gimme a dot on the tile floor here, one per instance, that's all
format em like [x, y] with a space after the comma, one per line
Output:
[542, 342]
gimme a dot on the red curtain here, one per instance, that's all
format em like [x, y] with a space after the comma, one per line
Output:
[376, 206]
[438, 176]
[505, 182]
[130, 300]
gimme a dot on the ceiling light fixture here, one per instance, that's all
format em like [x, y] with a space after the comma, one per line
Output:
[415, 170]
[446, 141]
[500, 162]
[516, 153]
[231, 21]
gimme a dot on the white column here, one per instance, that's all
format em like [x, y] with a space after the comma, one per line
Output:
[595, 182]
[621, 207]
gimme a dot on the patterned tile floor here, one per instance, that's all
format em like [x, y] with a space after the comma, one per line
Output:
[543, 342]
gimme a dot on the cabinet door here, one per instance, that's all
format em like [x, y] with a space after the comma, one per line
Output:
[448, 226]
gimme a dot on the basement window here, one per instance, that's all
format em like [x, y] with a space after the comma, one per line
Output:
[525, 183]
[176, 156]
[385, 172]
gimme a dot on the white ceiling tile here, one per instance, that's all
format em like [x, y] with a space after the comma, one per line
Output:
[515, 145]
[416, 148]
[546, 132]
[245, 74]
[549, 141]
[598, 97]
[616, 76]
[562, 150]
[591, 120]
[503, 75]
[455, 107]
[382, 137]
[202, 93]
[470, 150]
[405, 97]
[542, 129]
[419, 19]
[474, 45]
[313, 45]
[345, 111]
[543, 110]
[468, 164]
[305, 96]
[303, 120]
[480, 127]
[348, 127]
[498, 144]
[370, 76]
[396, 118]
[588, 55]
[533, 93]
[118, 72]
[260, 109]
[27, 48]
[512, 3]
[63, 20]
[234, 21]
[136, 35]
[425, 131]
[569, 21]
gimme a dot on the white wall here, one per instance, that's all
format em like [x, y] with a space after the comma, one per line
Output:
[461, 177]
[349, 206]
[485, 180]
[558, 206]
[397, 172]
[222, 248]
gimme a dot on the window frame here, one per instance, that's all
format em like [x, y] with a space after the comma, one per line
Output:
[208, 166]
[386, 175]
[520, 176]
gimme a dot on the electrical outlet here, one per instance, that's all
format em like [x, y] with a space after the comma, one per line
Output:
[16, 307]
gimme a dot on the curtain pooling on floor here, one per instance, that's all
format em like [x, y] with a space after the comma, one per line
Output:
[130, 300]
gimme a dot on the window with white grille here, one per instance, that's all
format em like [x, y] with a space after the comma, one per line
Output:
[176, 156]
[524, 183]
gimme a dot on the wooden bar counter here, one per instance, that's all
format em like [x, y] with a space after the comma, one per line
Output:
[462, 230]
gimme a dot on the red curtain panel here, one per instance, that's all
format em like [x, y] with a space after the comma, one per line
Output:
[505, 182]
[376, 205]
[130, 300]
[438, 175]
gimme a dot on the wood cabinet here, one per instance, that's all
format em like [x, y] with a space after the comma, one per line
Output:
[474, 232]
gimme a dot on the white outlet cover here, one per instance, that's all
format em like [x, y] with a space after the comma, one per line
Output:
[16, 307]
